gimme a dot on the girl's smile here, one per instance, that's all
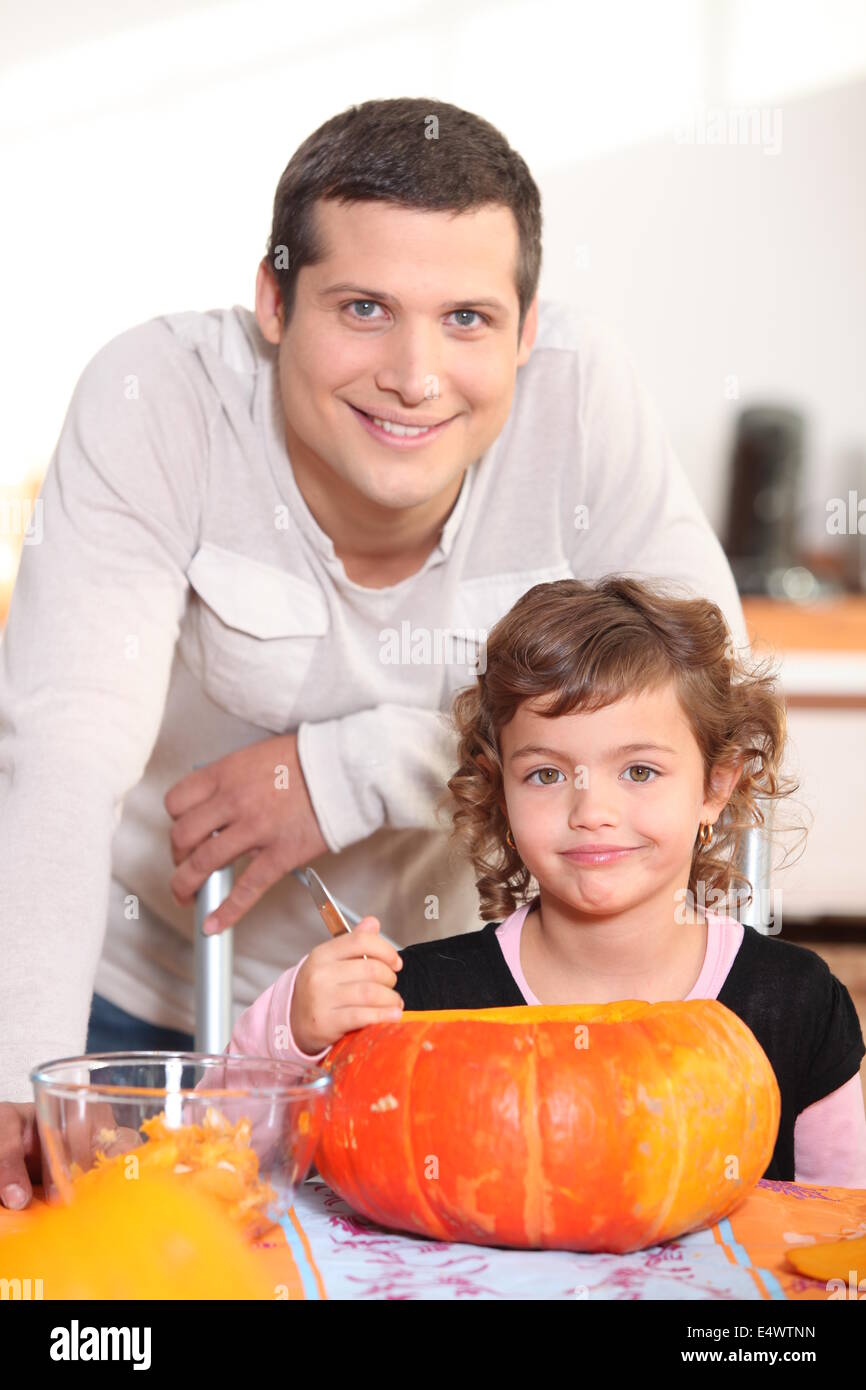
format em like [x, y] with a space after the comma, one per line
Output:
[599, 855]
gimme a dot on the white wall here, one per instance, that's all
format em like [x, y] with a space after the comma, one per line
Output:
[140, 147]
[727, 268]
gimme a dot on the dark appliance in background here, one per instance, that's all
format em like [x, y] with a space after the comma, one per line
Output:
[766, 475]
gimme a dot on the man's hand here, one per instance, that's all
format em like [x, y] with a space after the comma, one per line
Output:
[21, 1159]
[20, 1153]
[258, 800]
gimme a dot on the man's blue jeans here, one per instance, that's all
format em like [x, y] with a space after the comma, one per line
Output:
[114, 1030]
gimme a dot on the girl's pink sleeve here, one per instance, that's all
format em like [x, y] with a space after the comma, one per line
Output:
[264, 1029]
[830, 1139]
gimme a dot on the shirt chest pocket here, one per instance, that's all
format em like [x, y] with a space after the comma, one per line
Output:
[251, 634]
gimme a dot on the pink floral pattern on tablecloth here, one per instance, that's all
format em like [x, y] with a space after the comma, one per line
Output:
[359, 1259]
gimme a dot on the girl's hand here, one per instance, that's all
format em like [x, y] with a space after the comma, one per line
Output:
[336, 990]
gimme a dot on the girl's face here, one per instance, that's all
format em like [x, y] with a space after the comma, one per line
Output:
[629, 776]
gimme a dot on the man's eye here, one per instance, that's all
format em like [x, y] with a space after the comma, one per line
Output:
[353, 302]
[539, 771]
[477, 315]
[372, 304]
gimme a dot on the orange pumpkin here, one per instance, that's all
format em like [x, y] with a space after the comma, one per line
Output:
[151, 1237]
[577, 1127]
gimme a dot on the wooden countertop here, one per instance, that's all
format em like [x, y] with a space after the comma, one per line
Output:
[834, 624]
[822, 647]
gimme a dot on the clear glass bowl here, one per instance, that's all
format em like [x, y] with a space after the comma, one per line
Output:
[244, 1129]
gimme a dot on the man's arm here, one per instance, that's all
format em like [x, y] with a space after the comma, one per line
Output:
[385, 765]
[642, 516]
[84, 669]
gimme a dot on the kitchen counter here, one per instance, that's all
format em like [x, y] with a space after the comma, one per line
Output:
[821, 646]
[821, 652]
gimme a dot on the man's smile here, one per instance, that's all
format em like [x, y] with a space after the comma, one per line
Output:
[398, 435]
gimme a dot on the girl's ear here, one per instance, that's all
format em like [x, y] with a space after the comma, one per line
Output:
[723, 783]
[485, 765]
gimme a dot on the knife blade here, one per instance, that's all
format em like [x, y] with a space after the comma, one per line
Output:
[331, 914]
[333, 917]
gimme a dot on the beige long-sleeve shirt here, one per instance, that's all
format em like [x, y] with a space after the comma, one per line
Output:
[183, 602]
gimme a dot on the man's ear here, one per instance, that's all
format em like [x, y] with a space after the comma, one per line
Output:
[269, 303]
[529, 334]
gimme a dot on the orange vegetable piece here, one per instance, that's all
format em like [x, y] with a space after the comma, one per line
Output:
[135, 1238]
[214, 1157]
[831, 1260]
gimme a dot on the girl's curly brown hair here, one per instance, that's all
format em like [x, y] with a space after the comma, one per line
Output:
[588, 645]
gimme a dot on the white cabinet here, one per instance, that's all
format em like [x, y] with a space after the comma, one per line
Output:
[827, 752]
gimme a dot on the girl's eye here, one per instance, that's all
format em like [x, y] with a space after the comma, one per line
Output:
[638, 781]
[538, 772]
[641, 768]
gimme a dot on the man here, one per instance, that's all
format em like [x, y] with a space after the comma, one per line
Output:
[249, 564]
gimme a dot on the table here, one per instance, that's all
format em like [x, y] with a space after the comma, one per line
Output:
[324, 1250]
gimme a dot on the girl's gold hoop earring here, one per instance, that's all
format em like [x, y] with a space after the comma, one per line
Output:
[508, 839]
[705, 834]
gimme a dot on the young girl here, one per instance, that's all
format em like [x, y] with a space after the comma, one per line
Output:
[611, 729]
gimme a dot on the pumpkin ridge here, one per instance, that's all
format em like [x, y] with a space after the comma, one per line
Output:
[534, 1177]
[650, 1234]
[434, 1215]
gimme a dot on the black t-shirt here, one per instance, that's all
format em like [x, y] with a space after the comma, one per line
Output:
[803, 1017]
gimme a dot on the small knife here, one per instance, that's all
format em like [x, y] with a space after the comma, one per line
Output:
[331, 914]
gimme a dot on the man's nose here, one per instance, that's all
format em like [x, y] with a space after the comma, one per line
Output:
[412, 363]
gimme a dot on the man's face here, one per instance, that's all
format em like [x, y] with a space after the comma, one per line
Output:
[394, 341]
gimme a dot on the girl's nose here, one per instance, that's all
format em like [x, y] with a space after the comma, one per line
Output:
[592, 809]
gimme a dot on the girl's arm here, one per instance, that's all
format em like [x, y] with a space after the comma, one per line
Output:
[264, 1029]
[830, 1139]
